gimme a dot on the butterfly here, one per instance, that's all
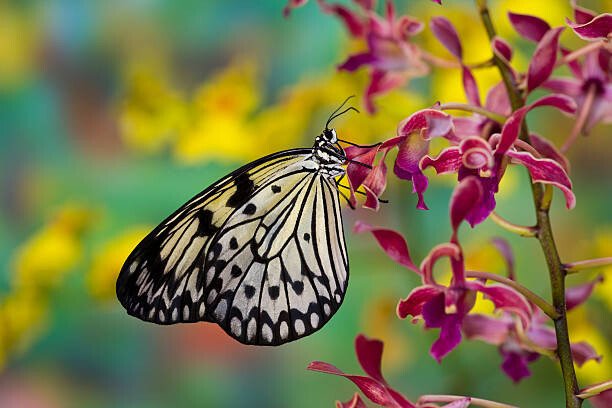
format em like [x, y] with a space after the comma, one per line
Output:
[261, 252]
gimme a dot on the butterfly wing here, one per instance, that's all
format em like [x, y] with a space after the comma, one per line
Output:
[279, 267]
[162, 280]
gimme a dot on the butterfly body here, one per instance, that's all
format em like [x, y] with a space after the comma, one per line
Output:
[261, 252]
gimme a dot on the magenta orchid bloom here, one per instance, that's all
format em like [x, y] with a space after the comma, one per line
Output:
[591, 88]
[520, 345]
[486, 160]
[391, 57]
[374, 386]
[412, 142]
[440, 306]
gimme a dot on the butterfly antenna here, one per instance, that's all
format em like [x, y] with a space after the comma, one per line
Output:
[335, 113]
[358, 145]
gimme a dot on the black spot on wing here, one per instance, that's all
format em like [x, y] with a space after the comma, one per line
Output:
[244, 189]
[249, 291]
[236, 271]
[233, 243]
[298, 287]
[274, 292]
[276, 189]
[249, 209]
[205, 226]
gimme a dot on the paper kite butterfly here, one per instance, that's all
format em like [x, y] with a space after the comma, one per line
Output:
[261, 252]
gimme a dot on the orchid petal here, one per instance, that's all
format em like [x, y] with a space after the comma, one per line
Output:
[566, 86]
[466, 126]
[583, 352]
[448, 161]
[543, 336]
[446, 33]
[505, 298]
[529, 27]
[354, 62]
[515, 366]
[512, 127]
[498, 101]
[392, 242]
[365, 155]
[380, 83]
[372, 389]
[353, 23]
[369, 354]
[485, 328]
[355, 402]
[441, 250]
[599, 28]
[546, 171]
[433, 312]
[502, 49]
[576, 295]
[549, 151]
[544, 58]
[470, 86]
[510, 131]
[375, 184]
[582, 15]
[432, 123]
[476, 153]
[450, 337]
[562, 102]
[413, 304]
[291, 4]
[465, 201]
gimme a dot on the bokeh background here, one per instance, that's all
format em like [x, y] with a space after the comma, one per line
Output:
[114, 113]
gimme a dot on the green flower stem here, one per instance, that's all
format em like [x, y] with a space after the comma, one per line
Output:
[535, 299]
[424, 399]
[541, 199]
[522, 230]
[596, 389]
[574, 267]
[476, 109]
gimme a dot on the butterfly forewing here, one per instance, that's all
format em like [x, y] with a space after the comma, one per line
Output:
[163, 278]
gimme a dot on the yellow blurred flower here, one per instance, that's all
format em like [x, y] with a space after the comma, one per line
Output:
[581, 329]
[152, 112]
[380, 319]
[108, 262]
[43, 260]
[20, 37]
[219, 123]
[40, 265]
[603, 248]
[23, 314]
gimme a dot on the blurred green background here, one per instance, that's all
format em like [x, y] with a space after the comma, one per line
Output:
[114, 113]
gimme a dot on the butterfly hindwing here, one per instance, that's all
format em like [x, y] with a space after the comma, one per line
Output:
[281, 268]
[163, 279]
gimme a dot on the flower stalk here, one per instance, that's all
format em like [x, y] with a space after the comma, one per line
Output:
[522, 230]
[475, 109]
[575, 267]
[479, 402]
[544, 235]
[546, 307]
